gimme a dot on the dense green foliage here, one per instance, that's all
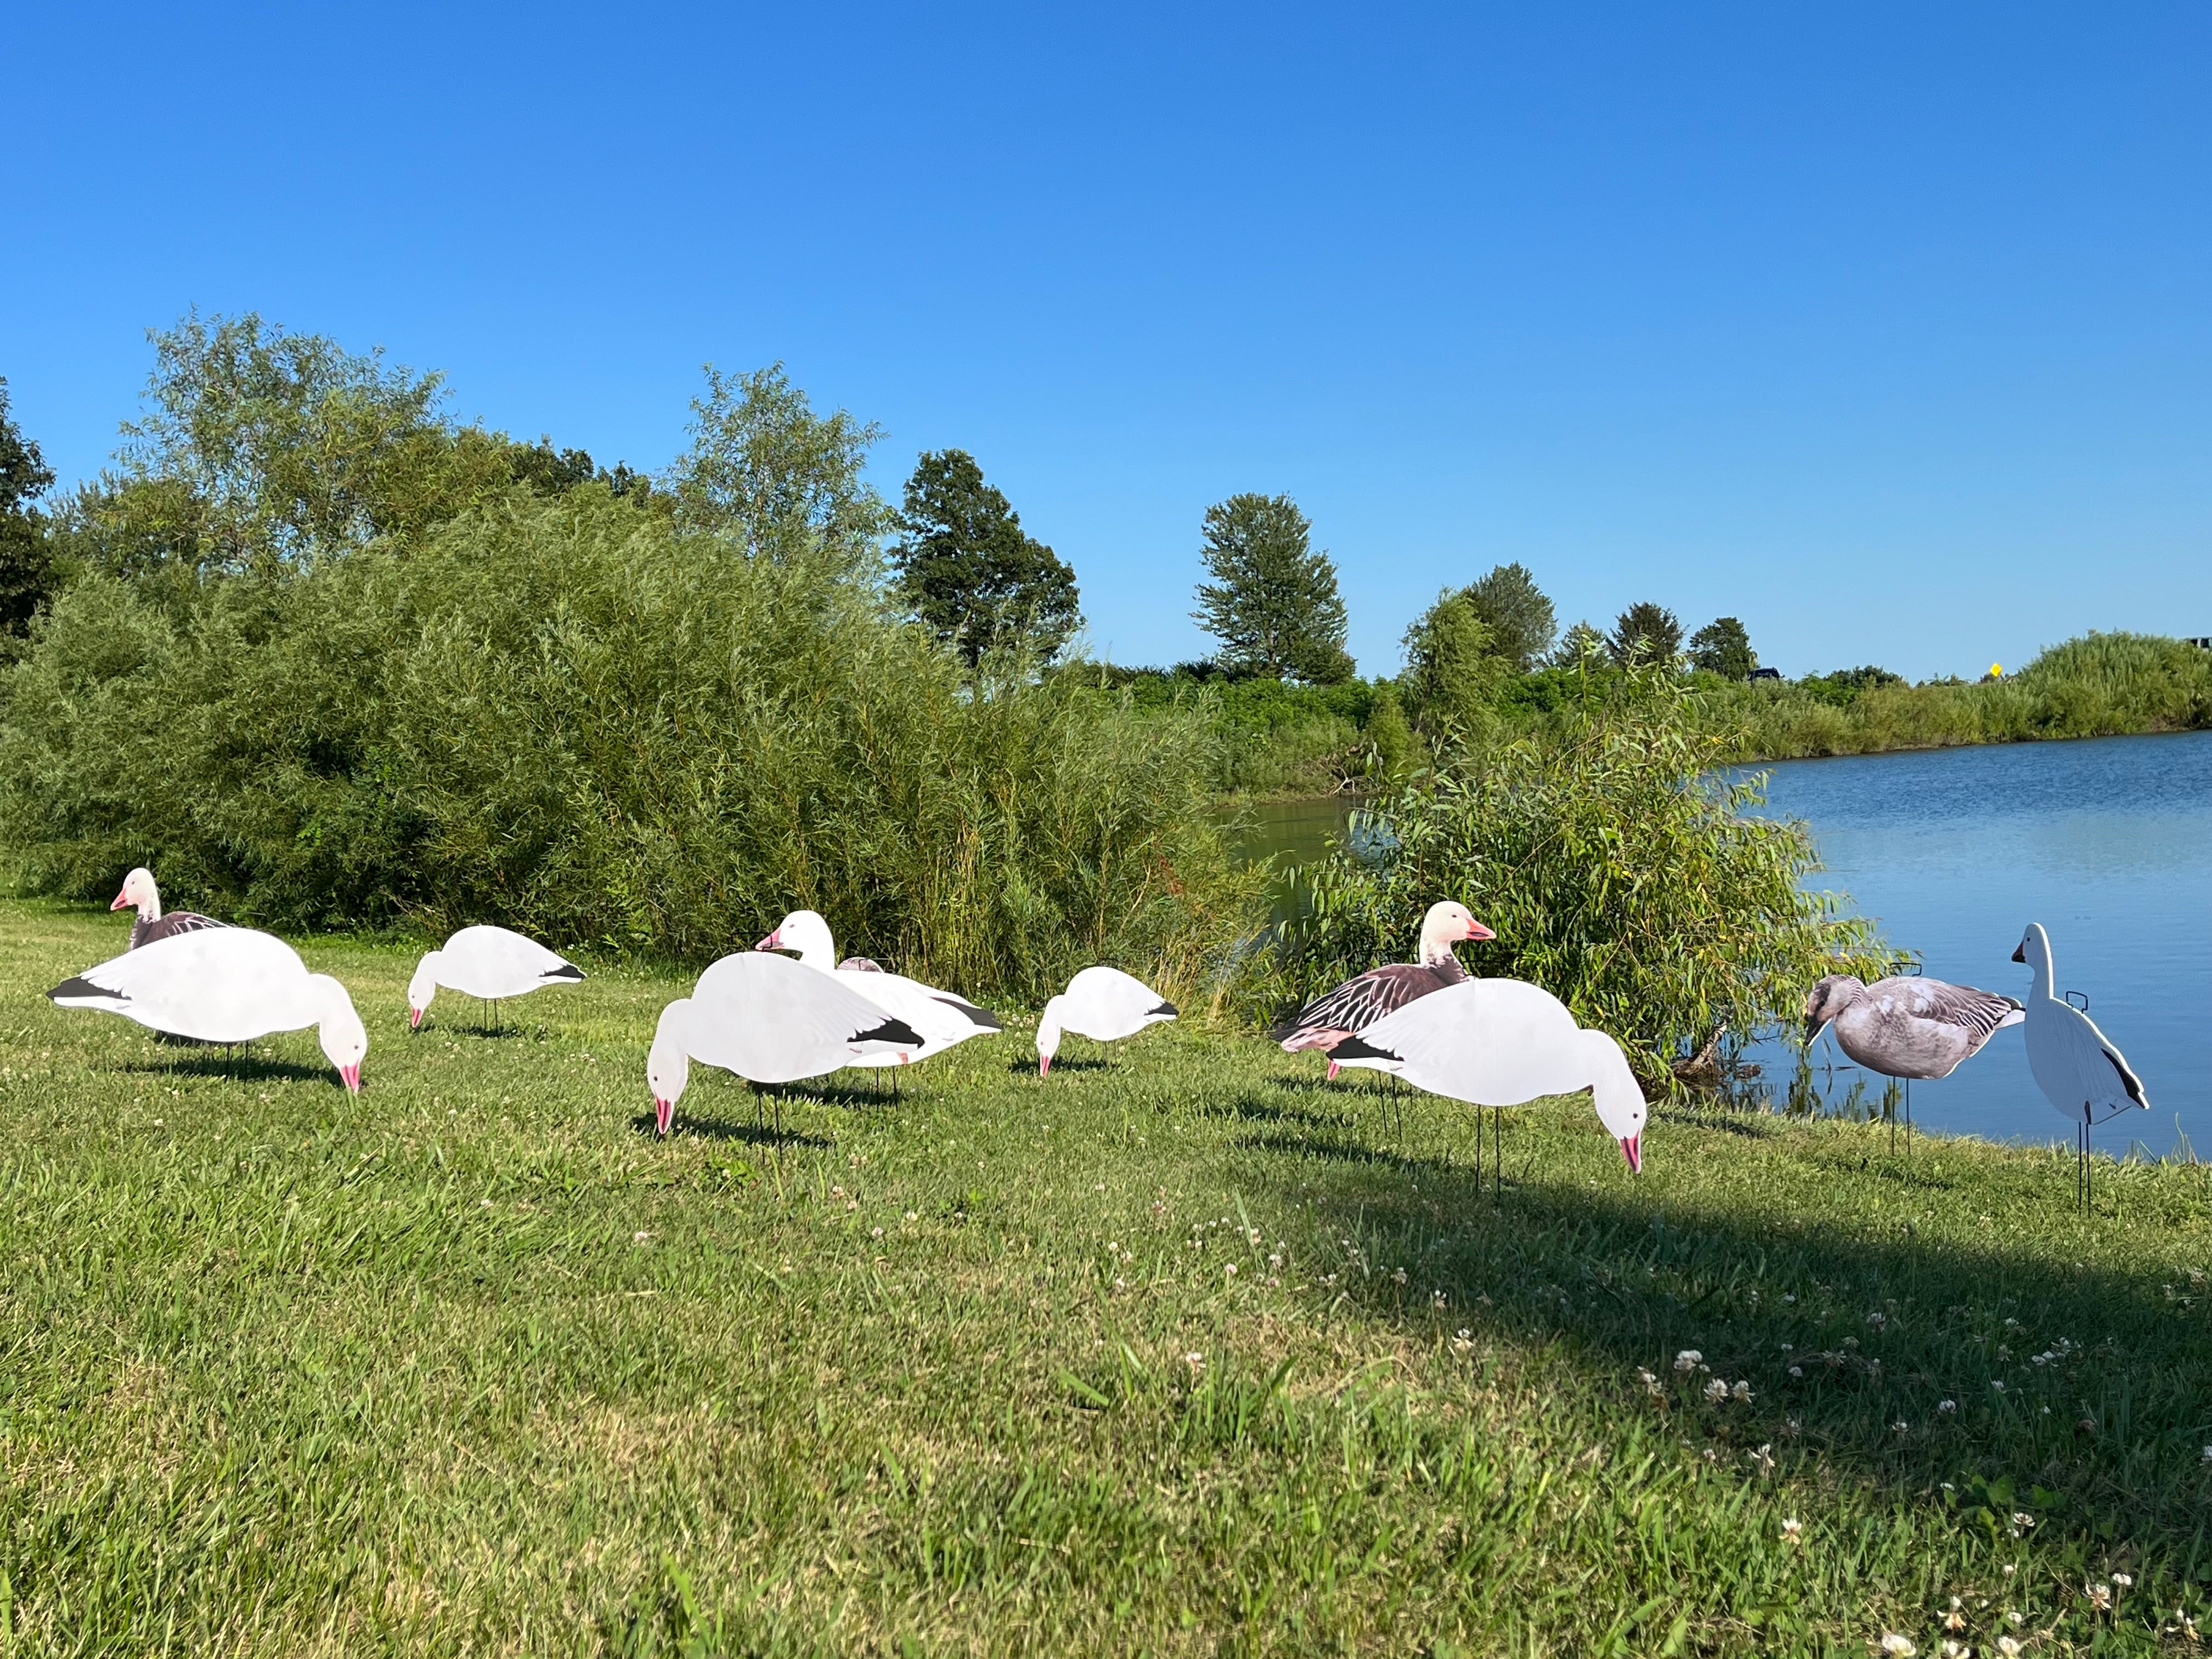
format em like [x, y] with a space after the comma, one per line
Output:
[1517, 613]
[472, 1364]
[1722, 646]
[26, 563]
[970, 571]
[1273, 601]
[575, 717]
[1279, 737]
[1453, 667]
[1619, 871]
[1646, 633]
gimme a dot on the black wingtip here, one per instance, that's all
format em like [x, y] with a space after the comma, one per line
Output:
[77, 986]
[896, 1032]
[983, 1017]
[1167, 1008]
[1354, 1047]
[566, 970]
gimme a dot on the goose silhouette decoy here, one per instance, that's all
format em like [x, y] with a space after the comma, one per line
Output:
[769, 1020]
[1103, 1004]
[2086, 1079]
[489, 963]
[1361, 1000]
[140, 894]
[1907, 1026]
[1500, 1042]
[224, 985]
[941, 1018]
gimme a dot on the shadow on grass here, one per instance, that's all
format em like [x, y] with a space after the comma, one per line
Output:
[2089, 1388]
[200, 1061]
[1018, 1067]
[712, 1128]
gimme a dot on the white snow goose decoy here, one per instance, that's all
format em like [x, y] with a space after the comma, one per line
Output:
[225, 985]
[2084, 1078]
[1501, 1041]
[1906, 1026]
[490, 964]
[769, 1020]
[941, 1018]
[140, 894]
[1104, 1004]
[1361, 1000]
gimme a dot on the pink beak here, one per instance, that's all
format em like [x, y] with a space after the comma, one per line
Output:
[664, 1114]
[1475, 930]
[352, 1076]
[121, 902]
[414, 1019]
[1632, 1150]
[771, 942]
[1331, 1070]
[1044, 1064]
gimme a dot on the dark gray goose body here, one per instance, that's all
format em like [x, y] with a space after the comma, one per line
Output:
[1905, 1026]
[139, 893]
[1364, 999]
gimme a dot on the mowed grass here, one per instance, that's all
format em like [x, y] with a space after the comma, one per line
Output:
[1184, 1351]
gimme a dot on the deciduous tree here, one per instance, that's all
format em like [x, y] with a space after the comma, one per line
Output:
[26, 559]
[1722, 646]
[971, 573]
[1273, 601]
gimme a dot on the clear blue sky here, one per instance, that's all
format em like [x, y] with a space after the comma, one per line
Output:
[1885, 330]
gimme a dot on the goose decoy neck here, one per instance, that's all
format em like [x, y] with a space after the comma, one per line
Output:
[1828, 998]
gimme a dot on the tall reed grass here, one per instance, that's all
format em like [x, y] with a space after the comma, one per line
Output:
[573, 718]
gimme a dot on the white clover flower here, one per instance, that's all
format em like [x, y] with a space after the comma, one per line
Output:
[1229, 1272]
[1195, 1361]
[639, 1236]
[1763, 1460]
[1956, 1618]
[2008, 1647]
[1900, 1646]
[1946, 1406]
[1398, 1278]
[1687, 1361]
[1742, 1392]
[1796, 1370]
[1793, 1531]
[1956, 1651]
[876, 1233]
[2125, 1581]
[2100, 1596]
[1716, 1391]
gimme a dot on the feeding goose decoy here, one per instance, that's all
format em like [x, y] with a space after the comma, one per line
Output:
[1500, 1042]
[1361, 1000]
[140, 894]
[1104, 1004]
[769, 1020]
[489, 963]
[2086, 1079]
[223, 985]
[941, 1018]
[1907, 1026]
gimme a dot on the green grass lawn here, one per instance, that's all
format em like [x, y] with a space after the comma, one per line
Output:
[1184, 1351]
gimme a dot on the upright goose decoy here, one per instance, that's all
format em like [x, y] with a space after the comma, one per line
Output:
[490, 964]
[140, 894]
[1906, 1026]
[1501, 1041]
[1361, 1000]
[2083, 1076]
[941, 1018]
[225, 985]
[769, 1020]
[1104, 1004]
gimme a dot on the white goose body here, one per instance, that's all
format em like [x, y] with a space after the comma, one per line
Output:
[1104, 1004]
[2084, 1078]
[490, 963]
[223, 985]
[769, 1020]
[940, 1019]
[1502, 1042]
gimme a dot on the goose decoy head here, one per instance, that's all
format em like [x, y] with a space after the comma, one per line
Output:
[1828, 998]
[1449, 922]
[139, 894]
[804, 934]
[667, 1066]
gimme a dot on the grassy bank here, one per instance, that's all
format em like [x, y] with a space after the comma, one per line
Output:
[1184, 1352]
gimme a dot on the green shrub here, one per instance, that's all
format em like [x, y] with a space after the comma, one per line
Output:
[573, 717]
[1619, 871]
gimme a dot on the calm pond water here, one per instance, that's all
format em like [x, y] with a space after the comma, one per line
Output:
[2106, 842]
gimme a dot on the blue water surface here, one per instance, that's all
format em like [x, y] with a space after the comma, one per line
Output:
[2106, 842]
